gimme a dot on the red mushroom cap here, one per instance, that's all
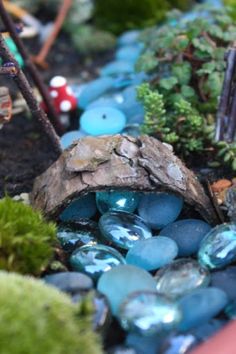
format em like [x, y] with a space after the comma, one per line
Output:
[63, 97]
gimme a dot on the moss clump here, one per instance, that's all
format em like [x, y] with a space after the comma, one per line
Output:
[118, 16]
[38, 319]
[26, 240]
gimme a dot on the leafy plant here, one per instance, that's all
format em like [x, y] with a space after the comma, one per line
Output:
[26, 240]
[36, 318]
[187, 66]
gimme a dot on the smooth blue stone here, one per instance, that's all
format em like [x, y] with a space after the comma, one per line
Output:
[144, 345]
[68, 138]
[178, 344]
[105, 101]
[122, 349]
[181, 277]
[205, 331]
[123, 229]
[200, 306]
[148, 313]
[129, 37]
[188, 234]
[226, 280]
[116, 68]
[131, 107]
[132, 130]
[70, 282]
[129, 53]
[70, 237]
[231, 310]
[159, 209]
[94, 89]
[83, 207]
[152, 253]
[218, 248]
[94, 260]
[117, 200]
[119, 282]
[102, 121]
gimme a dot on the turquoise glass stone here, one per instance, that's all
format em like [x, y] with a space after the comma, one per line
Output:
[95, 259]
[116, 68]
[132, 108]
[107, 101]
[159, 209]
[123, 229]
[117, 200]
[119, 282]
[81, 208]
[132, 130]
[102, 121]
[70, 282]
[225, 279]
[180, 277]
[148, 313]
[152, 253]
[218, 248]
[70, 237]
[178, 344]
[199, 306]
[94, 89]
[231, 310]
[208, 329]
[68, 138]
[129, 53]
[143, 345]
[188, 235]
[129, 37]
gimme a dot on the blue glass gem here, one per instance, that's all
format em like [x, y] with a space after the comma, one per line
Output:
[117, 200]
[148, 313]
[132, 130]
[225, 279]
[180, 277]
[119, 282]
[94, 89]
[231, 310]
[129, 53]
[95, 259]
[71, 236]
[144, 345]
[178, 344]
[199, 306]
[68, 138]
[129, 37]
[188, 235]
[116, 68]
[102, 121]
[123, 229]
[160, 209]
[122, 349]
[218, 248]
[152, 253]
[70, 282]
[81, 208]
[205, 331]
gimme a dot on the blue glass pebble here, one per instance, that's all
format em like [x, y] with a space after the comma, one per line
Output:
[83, 207]
[144, 345]
[178, 344]
[159, 209]
[231, 310]
[218, 248]
[94, 260]
[132, 130]
[148, 313]
[70, 282]
[122, 349]
[94, 89]
[129, 53]
[188, 234]
[129, 37]
[152, 253]
[68, 138]
[200, 306]
[71, 237]
[225, 279]
[181, 277]
[123, 229]
[116, 68]
[119, 282]
[102, 121]
[117, 200]
[206, 330]
[106, 101]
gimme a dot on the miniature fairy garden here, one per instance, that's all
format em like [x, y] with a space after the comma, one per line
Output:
[118, 189]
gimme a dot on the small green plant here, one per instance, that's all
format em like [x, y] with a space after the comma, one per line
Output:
[26, 240]
[227, 153]
[37, 319]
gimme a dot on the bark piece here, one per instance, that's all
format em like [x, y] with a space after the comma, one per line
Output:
[117, 162]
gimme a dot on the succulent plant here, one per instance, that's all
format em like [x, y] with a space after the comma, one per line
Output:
[36, 318]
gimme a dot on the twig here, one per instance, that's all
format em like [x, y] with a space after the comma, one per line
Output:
[63, 11]
[28, 95]
[10, 26]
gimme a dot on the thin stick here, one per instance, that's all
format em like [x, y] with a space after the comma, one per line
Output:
[28, 95]
[63, 11]
[10, 26]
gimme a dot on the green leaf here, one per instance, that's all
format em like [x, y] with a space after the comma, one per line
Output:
[234, 164]
[147, 62]
[187, 91]
[168, 83]
[207, 68]
[182, 72]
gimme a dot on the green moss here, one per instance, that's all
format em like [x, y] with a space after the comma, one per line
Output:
[38, 319]
[26, 240]
[118, 16]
